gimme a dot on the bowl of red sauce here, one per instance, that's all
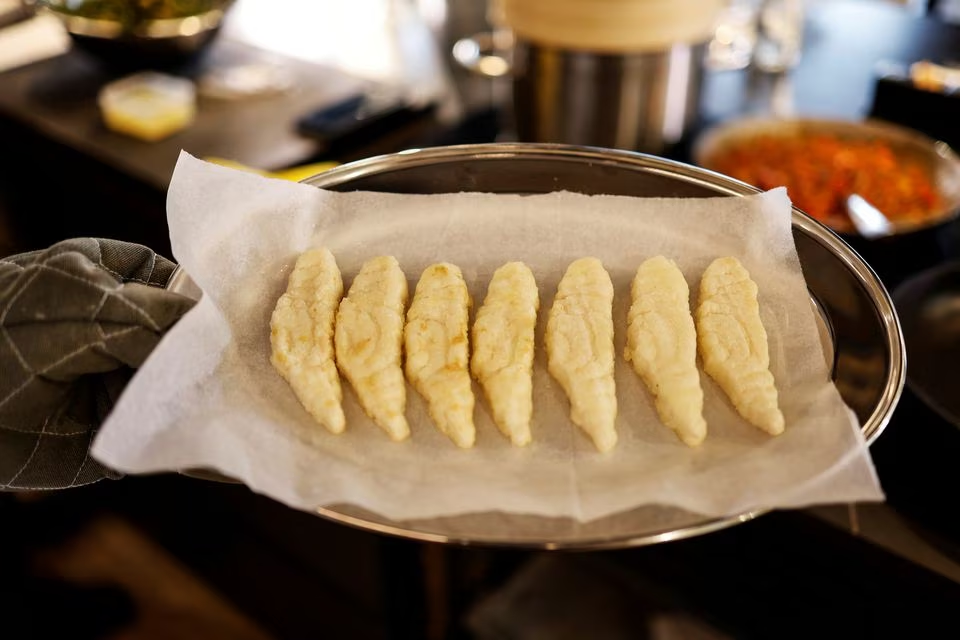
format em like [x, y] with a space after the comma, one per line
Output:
[913, 179]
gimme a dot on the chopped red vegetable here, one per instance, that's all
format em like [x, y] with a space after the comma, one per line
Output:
[820, 171]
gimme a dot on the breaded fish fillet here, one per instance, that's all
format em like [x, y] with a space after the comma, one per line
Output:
[301, 336]
[662, 345]
[503, 348]
[438, 352]
[369, 342]
[580, 348]
[733, 343]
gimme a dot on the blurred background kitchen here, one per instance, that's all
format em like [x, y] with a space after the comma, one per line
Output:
[293, 87]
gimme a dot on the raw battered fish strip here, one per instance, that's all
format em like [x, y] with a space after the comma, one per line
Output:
[301, 336]
[662, 346]
[733, 343]
[503, 336]
[437, 349]
[369, 343]
[580, 349]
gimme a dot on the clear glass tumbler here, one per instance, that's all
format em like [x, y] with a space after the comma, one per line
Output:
[780, 27]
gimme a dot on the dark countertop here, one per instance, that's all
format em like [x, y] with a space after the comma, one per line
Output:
[57, 98]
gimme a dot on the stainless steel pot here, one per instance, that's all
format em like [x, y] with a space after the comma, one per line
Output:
[860, 324]
[643, 101]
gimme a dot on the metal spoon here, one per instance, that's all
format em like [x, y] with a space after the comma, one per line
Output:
[868, 220]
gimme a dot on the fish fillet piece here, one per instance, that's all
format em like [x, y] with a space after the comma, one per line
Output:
[733, 343]
[503, 348]
[369, 343]
[301, 336]
[438, 350]
[662, 345]
[580, 348]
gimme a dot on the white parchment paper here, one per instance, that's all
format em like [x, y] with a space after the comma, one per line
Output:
[209, 397]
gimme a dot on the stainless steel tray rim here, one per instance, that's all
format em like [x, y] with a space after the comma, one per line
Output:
[584, 544]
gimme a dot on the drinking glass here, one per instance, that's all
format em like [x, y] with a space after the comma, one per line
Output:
[779, 35]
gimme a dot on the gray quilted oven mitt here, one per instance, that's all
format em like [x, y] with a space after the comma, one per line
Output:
[76, 319]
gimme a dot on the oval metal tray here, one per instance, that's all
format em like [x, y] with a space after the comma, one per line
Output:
[859, 318]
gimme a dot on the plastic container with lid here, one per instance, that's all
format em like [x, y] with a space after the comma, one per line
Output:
[149, 105]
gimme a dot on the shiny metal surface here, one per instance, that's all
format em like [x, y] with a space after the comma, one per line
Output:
[488, 53]
[181, 283]
[184, 27]
[641, 101]
[868, 351]
[144, 42]
[869, 221]
[929, 306]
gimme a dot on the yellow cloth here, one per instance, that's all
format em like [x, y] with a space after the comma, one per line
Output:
[294, 174]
